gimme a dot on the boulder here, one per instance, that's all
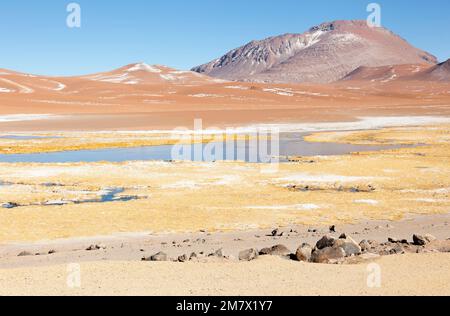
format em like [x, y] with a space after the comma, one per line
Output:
[248, 255]
[325, 242]
[278, 250]
[24, 254]
[327, 255]
[304, 253]
[422, 240]
[350, 247]
[364, 245]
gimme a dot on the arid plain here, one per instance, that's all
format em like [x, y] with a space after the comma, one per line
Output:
[56, 213]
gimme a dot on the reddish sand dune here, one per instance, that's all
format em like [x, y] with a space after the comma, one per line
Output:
[140, 96]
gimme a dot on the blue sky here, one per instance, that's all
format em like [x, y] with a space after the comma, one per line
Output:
[184, 33]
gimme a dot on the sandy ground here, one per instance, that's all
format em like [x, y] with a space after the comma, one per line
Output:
[135, 246]
[400, 275]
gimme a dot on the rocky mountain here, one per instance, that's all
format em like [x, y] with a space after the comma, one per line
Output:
[325, 53]
[440, 72]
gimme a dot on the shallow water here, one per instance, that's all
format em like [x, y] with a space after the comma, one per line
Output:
[291, 144]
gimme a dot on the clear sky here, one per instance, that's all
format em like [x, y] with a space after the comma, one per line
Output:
[34, 36]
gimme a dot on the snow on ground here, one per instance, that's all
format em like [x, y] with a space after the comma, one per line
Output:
[144, 67]
[282, 92]
[237, 87]
[24, 117]
[23, 89]
[368, 202]
[205, 95]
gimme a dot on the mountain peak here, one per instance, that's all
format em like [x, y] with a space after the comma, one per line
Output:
[325, 53]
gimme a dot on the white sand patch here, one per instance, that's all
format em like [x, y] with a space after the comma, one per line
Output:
[5, 90]
[368, 202]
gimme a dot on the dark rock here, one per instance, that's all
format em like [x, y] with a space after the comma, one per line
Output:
[93, 247]
[248, 255]
[193, 256]
[10, 205]
[183, 258]
[219, 254]
[422, 240]
[51, 252]
[343, 236]
[160, 256]
[24, 254]
[332, 229]
[326, 241]
[265, 252]
[304, 253]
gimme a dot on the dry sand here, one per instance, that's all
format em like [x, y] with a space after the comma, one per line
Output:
[400, 275]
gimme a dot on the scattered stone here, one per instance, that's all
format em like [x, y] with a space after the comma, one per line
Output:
[219, 253]
[10, 205]
[312, 230]
[93, 247]
[183, 258]
[439, 245]
[327, 255]
[422, 240]
[332, 229]
[304, 253]
[24, 254]
[193, 256]
[248, 255]
[160, 256]
[51, 252]
[326, 241]
[364, 245]
[186, 240]
[343, 236]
